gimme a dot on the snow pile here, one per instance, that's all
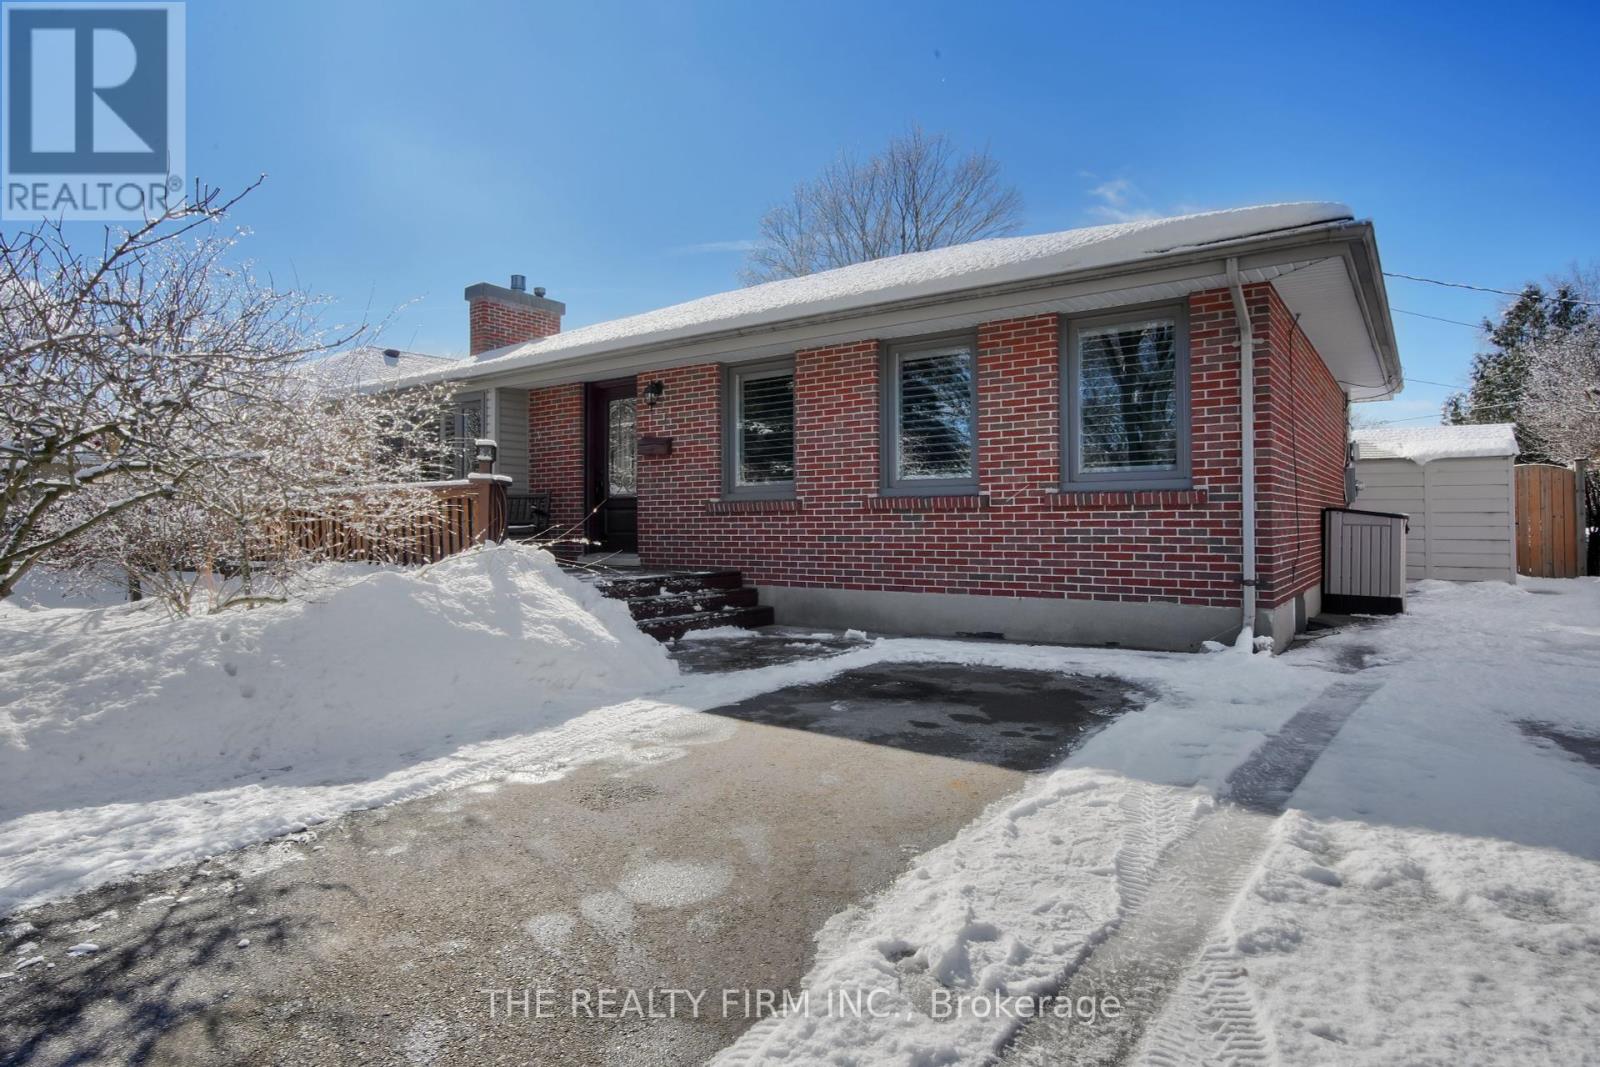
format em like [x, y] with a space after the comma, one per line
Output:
[944, 270]
[1423, 444]
[366, 694]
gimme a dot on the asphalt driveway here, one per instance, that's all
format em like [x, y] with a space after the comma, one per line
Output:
[704, 858]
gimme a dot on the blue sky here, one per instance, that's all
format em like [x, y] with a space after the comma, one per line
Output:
[619, 154]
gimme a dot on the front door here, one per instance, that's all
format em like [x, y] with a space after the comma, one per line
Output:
[613, 460]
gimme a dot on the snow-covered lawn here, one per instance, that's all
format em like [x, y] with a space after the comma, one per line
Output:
[1433, 893]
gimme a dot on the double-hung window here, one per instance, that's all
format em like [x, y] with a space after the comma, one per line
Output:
[930, 421]
[758, 454]
[1126, 403]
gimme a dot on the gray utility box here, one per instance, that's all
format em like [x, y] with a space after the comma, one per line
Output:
[1363, 561]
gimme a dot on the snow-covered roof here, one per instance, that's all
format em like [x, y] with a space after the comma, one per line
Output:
[1338, 316]
[369, 364]
[1423, 444]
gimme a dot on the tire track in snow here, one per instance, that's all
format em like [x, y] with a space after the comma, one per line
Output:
[1172, 911]
[1158, 820]
[1212, 1019]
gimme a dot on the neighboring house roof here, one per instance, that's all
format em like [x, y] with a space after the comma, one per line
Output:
[370, 364]
[1323, 261]
[1423, 444]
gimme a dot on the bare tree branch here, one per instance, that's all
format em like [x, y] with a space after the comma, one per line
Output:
[917, 194]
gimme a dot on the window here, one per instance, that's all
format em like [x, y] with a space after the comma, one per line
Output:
[622, 447]
[1127, 400]
[462, 430]
[759, 420]
[930, 417]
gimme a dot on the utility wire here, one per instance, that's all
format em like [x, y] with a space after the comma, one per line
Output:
[1409, 418]
[1435, 318]
[1485, 288]
[1408, 378]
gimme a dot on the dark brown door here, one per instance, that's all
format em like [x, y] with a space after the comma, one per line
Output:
[613, 453]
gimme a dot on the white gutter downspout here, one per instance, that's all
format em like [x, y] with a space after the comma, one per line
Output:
[1247, 458]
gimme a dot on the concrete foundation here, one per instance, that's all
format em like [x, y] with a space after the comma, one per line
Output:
[1054, 620]
[1281, 623]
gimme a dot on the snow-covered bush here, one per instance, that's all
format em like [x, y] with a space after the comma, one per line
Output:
[320, 473]
[157, 415]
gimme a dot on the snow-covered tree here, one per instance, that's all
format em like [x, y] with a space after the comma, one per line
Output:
[1538, 316]
[156, 412]
[1562, 401]
[919, 193]
[321, 471]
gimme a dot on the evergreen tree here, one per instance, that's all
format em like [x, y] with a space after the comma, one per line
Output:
[1500, 375]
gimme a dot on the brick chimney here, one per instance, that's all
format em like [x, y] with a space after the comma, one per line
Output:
[501, 316]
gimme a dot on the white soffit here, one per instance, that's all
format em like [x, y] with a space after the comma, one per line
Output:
[1323, 297]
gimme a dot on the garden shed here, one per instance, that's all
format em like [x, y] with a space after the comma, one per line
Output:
[1457, 484]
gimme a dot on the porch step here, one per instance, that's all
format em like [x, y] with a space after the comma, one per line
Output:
[670, 626]
[692, 603]
[669, 604]
[627, 587]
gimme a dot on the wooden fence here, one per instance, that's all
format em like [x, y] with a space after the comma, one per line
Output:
[471, 511]
[1547, 521]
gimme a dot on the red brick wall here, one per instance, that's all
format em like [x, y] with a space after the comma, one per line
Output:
[492, 324]
[1024, 537]
[1301, 431]
[555, 451]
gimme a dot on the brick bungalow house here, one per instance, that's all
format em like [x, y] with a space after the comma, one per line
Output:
[1040, 437]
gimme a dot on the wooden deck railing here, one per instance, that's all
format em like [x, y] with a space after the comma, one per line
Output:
[471, 511]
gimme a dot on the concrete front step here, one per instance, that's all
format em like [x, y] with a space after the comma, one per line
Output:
[655, 607]
[649, 585]
[669, 626]
[668, 604]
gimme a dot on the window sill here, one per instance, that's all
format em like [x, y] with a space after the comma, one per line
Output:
[1124, 499]
[944, 502]
[755, 506]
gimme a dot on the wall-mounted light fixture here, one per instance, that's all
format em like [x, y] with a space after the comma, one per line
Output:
[653, 392]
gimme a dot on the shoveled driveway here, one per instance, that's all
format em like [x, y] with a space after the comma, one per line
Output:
[705, 858]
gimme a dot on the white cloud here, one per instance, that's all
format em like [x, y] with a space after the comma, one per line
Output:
[714, 247]
[1115, 192]
[1121, 200]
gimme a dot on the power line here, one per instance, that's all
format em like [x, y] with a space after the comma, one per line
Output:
[1409, 418]
[1435, 318]
[1408, 379]
[1486, 289]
